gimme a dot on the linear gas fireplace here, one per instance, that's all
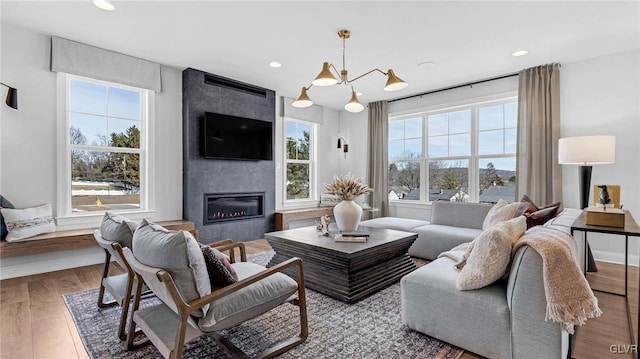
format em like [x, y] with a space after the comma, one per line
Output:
[221, 207]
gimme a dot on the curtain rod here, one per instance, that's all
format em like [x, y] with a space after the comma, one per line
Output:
[455, 87]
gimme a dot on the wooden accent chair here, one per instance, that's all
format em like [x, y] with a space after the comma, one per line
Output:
[173, 323]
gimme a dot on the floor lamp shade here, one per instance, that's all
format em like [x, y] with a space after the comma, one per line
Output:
[586, 151]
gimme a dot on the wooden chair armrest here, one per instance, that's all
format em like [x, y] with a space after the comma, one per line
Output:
[232, 252]
[198, 303]
[220, 243]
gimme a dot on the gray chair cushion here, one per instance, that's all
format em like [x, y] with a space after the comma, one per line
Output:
[178, 253]
[434, 239]
[476, 320]
[116, 228]
[457, 214]
[399, 224]
[249, 301]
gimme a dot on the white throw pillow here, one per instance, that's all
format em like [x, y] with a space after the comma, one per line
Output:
[28, 222]
[488, 258]
[501, 211]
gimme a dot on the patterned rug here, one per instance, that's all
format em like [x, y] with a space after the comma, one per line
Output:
[370, 328]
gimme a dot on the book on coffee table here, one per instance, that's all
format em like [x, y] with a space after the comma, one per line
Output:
[354, 234]
[351, 239]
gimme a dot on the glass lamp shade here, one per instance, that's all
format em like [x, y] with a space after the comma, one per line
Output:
[303, 100]
[587, 150]
[394, 83]
[325, 77]
[354, 105]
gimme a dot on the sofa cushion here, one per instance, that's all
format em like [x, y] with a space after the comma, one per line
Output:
[178, 253]
[434, 239]
[249, 301]
[399, 224]
[564, 220]
[116, 228]
[456, 214]
[28, 222]
[490, 254]
[474, 320]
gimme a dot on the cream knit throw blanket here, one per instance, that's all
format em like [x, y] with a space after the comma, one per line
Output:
[570, 300]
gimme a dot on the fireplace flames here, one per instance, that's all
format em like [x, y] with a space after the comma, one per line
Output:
[220, 214]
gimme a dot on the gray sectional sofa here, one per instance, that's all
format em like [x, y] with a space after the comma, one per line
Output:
[451, 224]
[503, 320]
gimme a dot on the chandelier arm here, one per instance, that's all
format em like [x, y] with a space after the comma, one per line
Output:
[365, 74]
[342, 80]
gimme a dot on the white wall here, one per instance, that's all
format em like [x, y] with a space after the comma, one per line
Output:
[601, 96]
[28, 142]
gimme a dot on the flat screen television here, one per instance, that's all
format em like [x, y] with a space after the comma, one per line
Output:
[237, 138]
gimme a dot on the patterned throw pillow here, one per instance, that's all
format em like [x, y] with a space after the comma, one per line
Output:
[4, 203]
[221, 273]
[537, 216]
[28, 222]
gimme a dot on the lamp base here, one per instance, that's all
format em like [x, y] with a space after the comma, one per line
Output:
[585, 189]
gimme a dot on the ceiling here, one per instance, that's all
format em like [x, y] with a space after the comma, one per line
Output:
[468, 41]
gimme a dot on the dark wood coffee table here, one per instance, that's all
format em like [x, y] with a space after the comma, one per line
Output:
[346, 271]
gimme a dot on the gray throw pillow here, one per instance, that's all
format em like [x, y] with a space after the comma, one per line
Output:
[178, 253]
[116, 228]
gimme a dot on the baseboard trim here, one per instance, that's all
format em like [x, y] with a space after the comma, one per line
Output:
[29, 267]
[615, 257]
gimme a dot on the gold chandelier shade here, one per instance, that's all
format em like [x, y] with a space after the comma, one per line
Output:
[354, 104]
[325, 77]
[394, 83]
[303, 100]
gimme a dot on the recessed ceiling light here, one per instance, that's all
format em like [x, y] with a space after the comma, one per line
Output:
[520, 53]
[104, 5]
[275, 64]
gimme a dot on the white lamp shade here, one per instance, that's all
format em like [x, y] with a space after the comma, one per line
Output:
[587, 150]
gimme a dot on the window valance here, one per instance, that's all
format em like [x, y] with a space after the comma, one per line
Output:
[84, 60]
[313, 113]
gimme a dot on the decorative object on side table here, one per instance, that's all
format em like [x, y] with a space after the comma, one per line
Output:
[601, 192]
[323, 225]
[347, 213]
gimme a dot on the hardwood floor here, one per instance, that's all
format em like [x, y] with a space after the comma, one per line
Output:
[35, 323]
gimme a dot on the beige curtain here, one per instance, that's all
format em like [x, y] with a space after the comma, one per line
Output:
[538, 171]
[377, 160]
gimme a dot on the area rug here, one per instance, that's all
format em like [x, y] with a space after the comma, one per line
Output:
[370, 328]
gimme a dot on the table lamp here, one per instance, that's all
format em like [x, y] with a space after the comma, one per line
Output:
[586, 151]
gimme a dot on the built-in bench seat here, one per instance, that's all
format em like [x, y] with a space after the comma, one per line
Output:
[67, 240]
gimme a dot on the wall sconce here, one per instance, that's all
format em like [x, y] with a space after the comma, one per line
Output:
[12, 97]
[342, 143]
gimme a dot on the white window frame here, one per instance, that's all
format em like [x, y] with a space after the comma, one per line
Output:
[474, 156]
[313, 190]
[65, 217]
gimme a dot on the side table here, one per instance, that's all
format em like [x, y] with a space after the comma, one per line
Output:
[631, 229]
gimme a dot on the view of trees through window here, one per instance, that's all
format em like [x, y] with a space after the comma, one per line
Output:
[298, 159]
[448, 160]
[104, 143]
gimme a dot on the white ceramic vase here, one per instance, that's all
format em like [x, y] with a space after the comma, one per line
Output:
[347, 215]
